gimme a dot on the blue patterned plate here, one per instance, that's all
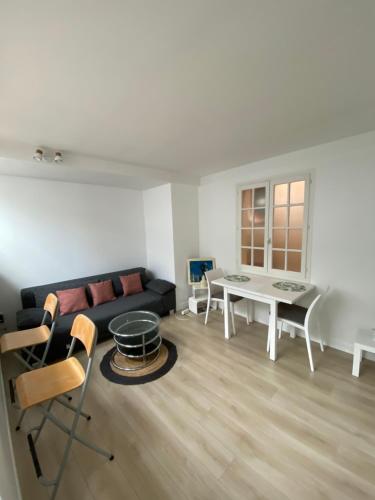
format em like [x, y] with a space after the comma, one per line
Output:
[239, 278]
[289, 286]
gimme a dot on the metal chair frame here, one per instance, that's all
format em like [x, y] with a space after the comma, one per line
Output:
[71, 432]
[39, 362]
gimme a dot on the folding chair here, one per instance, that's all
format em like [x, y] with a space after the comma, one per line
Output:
[47, 383]
[22, 341]
[25, 339]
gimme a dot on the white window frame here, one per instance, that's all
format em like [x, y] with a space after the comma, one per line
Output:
[306, 237]
[254, 269]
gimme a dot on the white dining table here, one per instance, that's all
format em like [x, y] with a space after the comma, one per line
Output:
[260, 289]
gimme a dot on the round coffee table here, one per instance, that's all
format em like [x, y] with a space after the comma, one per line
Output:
[137, 338]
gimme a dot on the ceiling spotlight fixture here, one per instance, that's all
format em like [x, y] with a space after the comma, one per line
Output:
[39, 155]
[58, 157]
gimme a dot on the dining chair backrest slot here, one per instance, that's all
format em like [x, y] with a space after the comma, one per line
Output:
[51, 305]
[85, 330]
[212, 275]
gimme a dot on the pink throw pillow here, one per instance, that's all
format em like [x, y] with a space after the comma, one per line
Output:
[131, 284]
[102, 292]
[72, 300]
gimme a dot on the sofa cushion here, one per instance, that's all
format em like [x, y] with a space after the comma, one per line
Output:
[72, 300]
[36, 295]
[102, 292]
[131, 284]
[31, 318]
[160, 286]
[102, 314]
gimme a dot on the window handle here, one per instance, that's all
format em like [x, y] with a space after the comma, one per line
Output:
[269, 241]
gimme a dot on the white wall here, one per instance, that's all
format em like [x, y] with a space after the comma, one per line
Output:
[343, 236]
[171, 223]
[185, 236]
[52, 231]
[159, 231]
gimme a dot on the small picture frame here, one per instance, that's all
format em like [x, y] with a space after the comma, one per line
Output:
[196, 269]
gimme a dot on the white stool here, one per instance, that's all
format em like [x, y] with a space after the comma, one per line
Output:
[365, 341]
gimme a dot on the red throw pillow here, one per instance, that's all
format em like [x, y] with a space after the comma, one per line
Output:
[72, 300]
[131, 284]
[102, 292]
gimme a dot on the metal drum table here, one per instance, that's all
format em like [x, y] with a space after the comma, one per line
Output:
[136, 335]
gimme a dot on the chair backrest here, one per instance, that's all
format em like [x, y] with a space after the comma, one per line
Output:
[312, 308]
[84, 330]
[212, 275]
[51, 305]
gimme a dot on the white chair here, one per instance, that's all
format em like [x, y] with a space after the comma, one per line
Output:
[216, 295]
[298, 317]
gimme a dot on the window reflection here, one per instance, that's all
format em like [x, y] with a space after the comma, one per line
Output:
[297, 192]
[246, 256]
[294, 261]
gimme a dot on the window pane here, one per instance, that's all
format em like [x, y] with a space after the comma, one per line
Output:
[247, 218]
[297, 192]
[246, 237]
[260, 197]
[278, 238]
[279, 217]
[259, 258]
[281, 194]
[258, 238]
[295, 239]
[247, 198]
[246, 256]
[295, 216]
[294, 261]
[278, 260]
[259, 217]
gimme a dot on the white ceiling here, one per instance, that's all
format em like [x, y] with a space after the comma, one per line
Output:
[194, 86]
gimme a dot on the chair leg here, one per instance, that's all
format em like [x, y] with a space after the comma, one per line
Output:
[292, 332]
[207, 310]
[18, 426]
[308, 345]
[280, 329]
[40, 427]
[321, 345]
[232, 315]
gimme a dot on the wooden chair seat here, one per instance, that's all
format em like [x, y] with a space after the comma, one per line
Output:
[18, 340]
[46, 383]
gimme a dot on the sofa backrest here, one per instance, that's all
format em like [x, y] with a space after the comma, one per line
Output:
[35, 296]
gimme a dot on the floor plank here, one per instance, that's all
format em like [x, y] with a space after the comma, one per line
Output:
[224, 423]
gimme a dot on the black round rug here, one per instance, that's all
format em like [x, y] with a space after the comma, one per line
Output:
[166, 361]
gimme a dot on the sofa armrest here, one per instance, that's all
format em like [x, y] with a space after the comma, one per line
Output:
[161, 287]
[30, 318]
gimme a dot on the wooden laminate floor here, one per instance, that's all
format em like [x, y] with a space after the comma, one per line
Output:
[225, 423]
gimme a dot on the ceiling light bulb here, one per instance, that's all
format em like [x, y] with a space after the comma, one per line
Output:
[38, 155]
[58, 157]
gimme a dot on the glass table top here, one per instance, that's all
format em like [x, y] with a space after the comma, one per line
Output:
[134, 323]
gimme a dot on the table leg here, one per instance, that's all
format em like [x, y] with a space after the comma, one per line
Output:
[356, 360]
[272, 330]
[250, 311]
[226, 314]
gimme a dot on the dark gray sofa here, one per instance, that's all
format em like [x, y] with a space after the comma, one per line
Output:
[159, 296]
